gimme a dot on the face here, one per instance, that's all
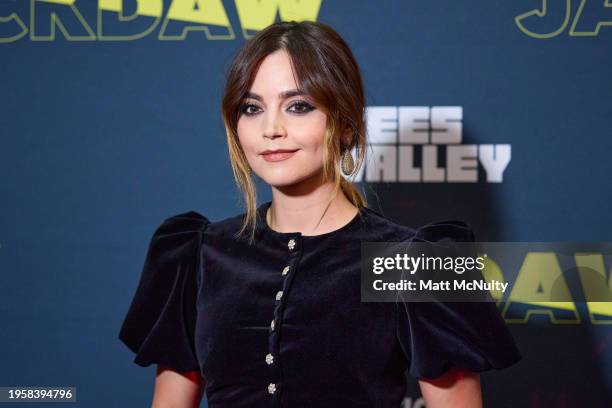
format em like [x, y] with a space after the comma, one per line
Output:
[275, 118]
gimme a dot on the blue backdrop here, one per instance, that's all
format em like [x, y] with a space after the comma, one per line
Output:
[110, 122]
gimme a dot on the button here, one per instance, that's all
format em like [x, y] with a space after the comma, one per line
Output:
[286, 269]
[279, 295]
[271, 388]
[272, 324]
[269, 358]
[291, 244]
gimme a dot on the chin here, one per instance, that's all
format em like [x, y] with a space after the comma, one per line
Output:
[280, 177]
[281, 181]
[286, 178]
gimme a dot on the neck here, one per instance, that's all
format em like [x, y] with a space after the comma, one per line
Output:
[313, 213]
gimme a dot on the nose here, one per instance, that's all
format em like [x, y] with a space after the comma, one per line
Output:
[274, 126]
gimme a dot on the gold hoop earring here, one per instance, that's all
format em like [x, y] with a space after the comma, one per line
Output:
[347, 163]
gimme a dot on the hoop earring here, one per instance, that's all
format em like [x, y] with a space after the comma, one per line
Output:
[347, 163]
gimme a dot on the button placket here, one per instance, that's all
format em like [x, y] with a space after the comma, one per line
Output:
[294, 249]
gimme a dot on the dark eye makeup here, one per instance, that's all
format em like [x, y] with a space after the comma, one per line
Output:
[302, 107]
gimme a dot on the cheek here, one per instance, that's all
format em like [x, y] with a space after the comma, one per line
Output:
[311, 135]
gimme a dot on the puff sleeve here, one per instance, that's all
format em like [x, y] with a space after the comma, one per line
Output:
[160, 322]
[438, 335]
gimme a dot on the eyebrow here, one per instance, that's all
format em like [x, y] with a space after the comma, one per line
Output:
[282, 95]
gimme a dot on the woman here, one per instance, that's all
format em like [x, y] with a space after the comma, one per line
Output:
[263, 309]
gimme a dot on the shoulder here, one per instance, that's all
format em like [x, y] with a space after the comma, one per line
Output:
[182, 223]
[223, 231]
[385, 228]
[451, 229]
[177, 236]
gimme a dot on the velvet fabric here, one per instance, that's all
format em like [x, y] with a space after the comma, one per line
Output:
[206, 301]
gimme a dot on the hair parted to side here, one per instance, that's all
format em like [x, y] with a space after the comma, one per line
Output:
[328, 72]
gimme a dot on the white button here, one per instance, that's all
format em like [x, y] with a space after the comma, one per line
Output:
[272, 324]
[286, 270]
[271, 388]
[279, 295]
[269, 358]
[291, 244]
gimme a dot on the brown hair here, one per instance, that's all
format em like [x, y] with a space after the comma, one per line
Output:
[328, 73]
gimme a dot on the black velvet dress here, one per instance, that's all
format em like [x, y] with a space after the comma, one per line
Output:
[281, 323]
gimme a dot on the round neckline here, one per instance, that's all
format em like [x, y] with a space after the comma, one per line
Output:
[263, 225]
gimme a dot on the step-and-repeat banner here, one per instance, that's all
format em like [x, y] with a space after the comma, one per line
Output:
[495, 112]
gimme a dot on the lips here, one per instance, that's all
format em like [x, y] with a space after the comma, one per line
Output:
[277, 155]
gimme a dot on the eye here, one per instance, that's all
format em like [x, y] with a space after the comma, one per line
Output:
[245, 108]
[302, 107]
